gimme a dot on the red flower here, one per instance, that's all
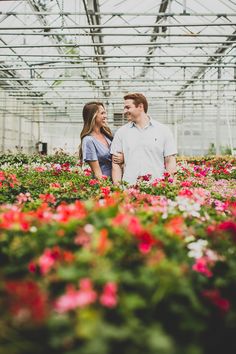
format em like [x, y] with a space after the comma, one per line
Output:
[14, 219]
[105, 191]
[47, 198]
[175, 225]
[146, 241]
[103, 242]
[87, 172]
[32, 267]
[131, 222]
[215, 297]
[55, 185]
[146, 177]
[93, 182]
[229, 226]
[27, 302]
[185, 192]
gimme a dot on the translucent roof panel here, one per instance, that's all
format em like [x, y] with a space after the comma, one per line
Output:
[59, 54]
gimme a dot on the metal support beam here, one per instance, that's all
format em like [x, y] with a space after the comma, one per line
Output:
[156, 31]
[173, 25]
[211, 60]
[92, 7]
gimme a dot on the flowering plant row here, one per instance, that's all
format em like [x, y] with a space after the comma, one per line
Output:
[56, 182]
[148, 269]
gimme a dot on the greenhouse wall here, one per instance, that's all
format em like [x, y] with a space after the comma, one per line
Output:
[17, 131]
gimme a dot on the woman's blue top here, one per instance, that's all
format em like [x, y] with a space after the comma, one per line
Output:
[94, 150]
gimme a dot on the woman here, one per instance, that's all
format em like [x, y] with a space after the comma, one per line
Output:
[96, 138]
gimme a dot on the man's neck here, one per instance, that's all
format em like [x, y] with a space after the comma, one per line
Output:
[142, 121]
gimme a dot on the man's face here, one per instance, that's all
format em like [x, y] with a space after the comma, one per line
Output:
[131, 112]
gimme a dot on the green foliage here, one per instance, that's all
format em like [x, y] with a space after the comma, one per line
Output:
[69, 230]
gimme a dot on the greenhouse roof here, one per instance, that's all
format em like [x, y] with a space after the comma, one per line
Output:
[59, 54]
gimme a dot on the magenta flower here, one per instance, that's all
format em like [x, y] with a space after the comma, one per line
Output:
[201, 266]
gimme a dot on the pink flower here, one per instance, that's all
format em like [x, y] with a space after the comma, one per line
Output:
[186, 184]
[201, 266]
[48, 259]
[76, 298]
[134, 225]
[40, 169]
[109, 295]
[23, 198]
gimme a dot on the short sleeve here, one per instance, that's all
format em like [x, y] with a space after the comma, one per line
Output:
[170, 146]
[89, 151]
[116, 145]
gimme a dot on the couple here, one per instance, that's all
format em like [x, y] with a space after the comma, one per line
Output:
[140, 147]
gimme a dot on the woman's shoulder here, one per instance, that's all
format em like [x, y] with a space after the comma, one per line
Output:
[87, 138]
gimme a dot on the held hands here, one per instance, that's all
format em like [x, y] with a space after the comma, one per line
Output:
[118, 158]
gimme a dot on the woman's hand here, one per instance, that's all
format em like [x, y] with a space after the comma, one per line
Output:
[118, 158]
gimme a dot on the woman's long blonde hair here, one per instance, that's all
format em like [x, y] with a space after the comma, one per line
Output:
[90, 112]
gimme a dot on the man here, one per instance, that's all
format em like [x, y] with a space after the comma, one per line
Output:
[148, 146]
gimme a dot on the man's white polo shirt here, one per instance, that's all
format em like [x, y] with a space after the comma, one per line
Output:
[144, 149]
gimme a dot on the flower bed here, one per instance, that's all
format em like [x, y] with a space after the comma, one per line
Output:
[89, 268]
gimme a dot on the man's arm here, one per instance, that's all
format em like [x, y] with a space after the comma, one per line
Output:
[116, 172]
[170, 164]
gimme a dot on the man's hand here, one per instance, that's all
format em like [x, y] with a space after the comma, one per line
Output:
[118, 158]
[117, 170]
[170, 165]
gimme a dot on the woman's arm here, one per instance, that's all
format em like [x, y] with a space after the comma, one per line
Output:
[95, 167]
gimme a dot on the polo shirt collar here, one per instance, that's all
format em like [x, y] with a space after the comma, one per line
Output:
[151, 122]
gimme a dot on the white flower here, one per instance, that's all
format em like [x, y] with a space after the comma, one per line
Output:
[188, 206]
[88, 228]
[197, 248]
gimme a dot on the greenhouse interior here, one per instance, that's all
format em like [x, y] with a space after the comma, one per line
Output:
[56, 55]
[117, 222]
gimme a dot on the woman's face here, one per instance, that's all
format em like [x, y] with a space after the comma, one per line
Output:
[101, 117]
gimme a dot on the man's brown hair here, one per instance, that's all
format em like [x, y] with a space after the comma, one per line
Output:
[137, 98]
